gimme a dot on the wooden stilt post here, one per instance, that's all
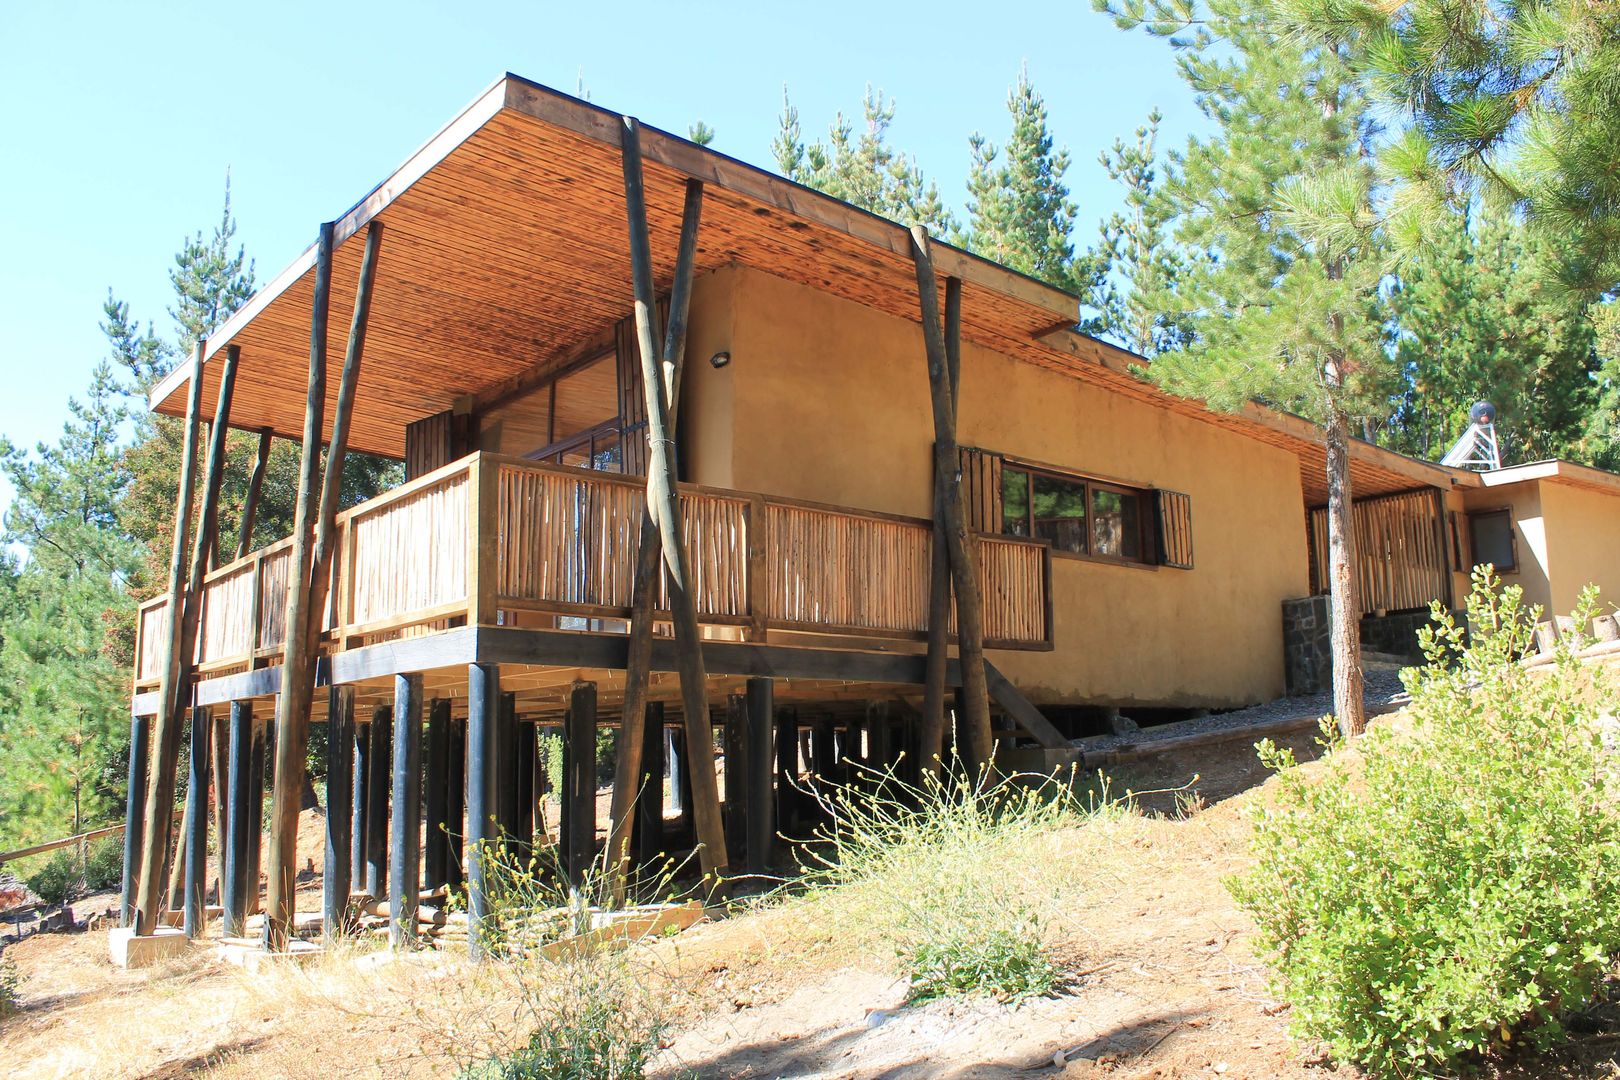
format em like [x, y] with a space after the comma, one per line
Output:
[455, 805]
[483, 687]
[579, 782]
[978, 741]
[250, 505]
[761, 759]
[151, 882]
[825, 762]
[734, 735]
[436, 793]
[665, 506]
[359, 808]
[787, 769]
[638, 666]
[258, 759]
[650, 787]
[140, 732]
[506, 793]
[239, 803]
[220, 774]
[196, 899]
[292, 704]
[405, 862]
[523, 759]
[335, 880]
[379, 781]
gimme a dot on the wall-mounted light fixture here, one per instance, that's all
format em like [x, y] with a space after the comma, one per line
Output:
[720, 359]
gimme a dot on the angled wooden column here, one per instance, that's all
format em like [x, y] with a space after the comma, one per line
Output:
[977, 738]
[649, 814]
[455, 805]
[483, 688]
[140, 733]
[292, 704]
[436, 794]
[931, 733]
[151, 882]
[405, 858]
[196, 899]
[238, 804]
[250, 504]
[579, 782]
[666, 510]
[359, 806]
[759, 794]
[335, 880]
[645, 583]
[379, 782]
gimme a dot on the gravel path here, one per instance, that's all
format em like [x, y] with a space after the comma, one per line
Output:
[1383, 692]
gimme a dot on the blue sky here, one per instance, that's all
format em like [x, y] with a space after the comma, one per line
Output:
[120, 120]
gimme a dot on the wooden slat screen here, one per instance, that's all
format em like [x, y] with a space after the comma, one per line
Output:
[1173, 511]
[409, 554]
[1400, 552]
[981, 489]
[435, 441]
[632, 402]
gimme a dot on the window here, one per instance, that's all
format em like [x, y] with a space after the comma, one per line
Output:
[1081, 517]
[1490, 537]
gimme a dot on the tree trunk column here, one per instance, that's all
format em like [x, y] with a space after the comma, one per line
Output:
[239, 804]
[335, 881]
[140, 731]
[1349, 703]
[196, 899]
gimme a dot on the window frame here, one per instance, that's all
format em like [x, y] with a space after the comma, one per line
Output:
[1505, 512]
[1146, 528]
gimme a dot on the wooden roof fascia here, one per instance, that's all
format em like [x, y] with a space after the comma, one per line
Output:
[1553, 470]
[436, 149]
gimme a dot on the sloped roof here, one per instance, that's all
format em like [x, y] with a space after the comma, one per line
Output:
[505, 246]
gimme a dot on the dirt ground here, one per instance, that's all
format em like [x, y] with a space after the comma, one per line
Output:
[1161, 983]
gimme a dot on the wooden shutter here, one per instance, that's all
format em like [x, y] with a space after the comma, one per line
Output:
[1173, 512]
[632, 402]
[437, 440]
[981, 489]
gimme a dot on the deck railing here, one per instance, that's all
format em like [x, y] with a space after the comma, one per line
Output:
[493, 539]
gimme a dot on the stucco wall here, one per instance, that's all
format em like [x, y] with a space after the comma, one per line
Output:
[1529, 534]
[828, 401]
[1582, 530]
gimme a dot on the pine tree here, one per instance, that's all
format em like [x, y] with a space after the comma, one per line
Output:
[1279, 207]
[1019, 210]
[1477, 316]
[1138, 305]
[861, 170]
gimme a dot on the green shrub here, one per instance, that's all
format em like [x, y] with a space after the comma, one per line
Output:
[10, 987]
[594, 1019]
[60, 879]
[950, 876]
[104, 864]
[1452, 891]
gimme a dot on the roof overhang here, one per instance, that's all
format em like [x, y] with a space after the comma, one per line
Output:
[1555, 472]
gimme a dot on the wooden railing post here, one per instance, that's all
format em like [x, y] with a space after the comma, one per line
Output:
[483, 539]
[759, 584]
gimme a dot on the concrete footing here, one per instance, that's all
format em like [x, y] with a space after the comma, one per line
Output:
[249, 955]
[127, 949]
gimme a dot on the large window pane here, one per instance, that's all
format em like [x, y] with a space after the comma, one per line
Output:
[1015, 502]
[1116, 524]
[1491, 534]
[1060, 513]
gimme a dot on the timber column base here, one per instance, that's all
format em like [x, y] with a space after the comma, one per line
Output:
[127, 949]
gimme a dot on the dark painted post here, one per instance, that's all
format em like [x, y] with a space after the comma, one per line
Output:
[677, 783]
[258, 757]
[405, 863]
[483, 688]
[378, 783]
[649, 830]
[339, 809]
[523, 782]
[506, 793]
[437, 760]
[787, 768]
[195, 918]
[140, 733]
[760, 756]
[736, 773]
[455, 804]
[233, 890]
[579, 782]
[360, 803]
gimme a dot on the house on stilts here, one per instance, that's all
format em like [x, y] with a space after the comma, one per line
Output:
[692, 446]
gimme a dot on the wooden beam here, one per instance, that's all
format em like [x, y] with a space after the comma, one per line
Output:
[645, 582]
[233, 890]
[405, 859]
[250, 505]
[335, 880]
[978, 739]
[202, 728]
[140, 735]
[159, 802]
[661, 497]
[292, 705]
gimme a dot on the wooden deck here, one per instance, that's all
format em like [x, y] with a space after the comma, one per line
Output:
[499, 541]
